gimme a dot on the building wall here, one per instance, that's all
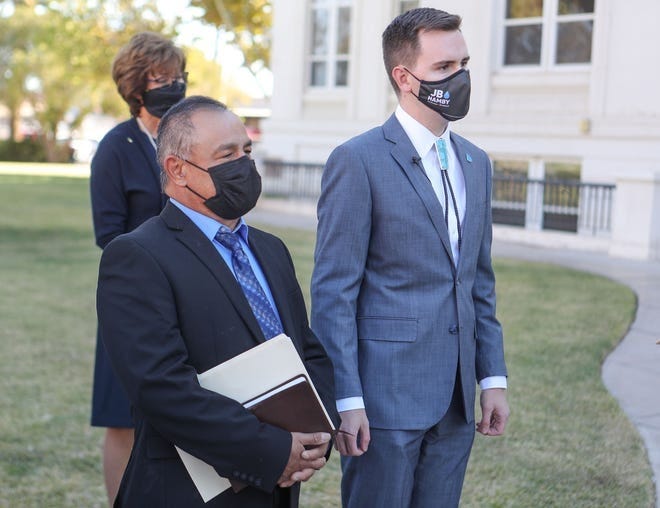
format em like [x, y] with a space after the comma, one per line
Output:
[604, 116]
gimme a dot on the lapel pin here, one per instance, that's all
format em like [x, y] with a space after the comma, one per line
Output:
[468, 157]
[130, 140]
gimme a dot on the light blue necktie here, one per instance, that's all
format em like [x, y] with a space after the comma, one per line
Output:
[443, 159]
[256, 297]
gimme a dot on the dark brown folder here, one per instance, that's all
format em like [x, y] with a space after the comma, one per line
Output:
[292, 406]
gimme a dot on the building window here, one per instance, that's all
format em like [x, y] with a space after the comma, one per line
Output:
[406, 5]
[561, 196]
[538, 194]
[548, 32]
[509, 192]
[330, 43]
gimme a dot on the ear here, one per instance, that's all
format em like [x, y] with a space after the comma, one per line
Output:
[176, 171]
[403, 79]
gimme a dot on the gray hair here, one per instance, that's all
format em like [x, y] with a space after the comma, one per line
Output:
[176, 132]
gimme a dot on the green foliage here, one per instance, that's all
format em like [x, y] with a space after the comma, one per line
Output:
[27, 150]
[57, 55]
[248, 22]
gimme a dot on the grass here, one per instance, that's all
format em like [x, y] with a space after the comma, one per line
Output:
[568, 442]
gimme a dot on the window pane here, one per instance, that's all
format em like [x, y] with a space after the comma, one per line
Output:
[341, 74]
[562, 171]
[574, 42]
[524, 8]
[406, 5]
[343, 30]
[509, 192]
[575, 6]
[318, 77]
[510, 168]
[523, 45]
[319, 31]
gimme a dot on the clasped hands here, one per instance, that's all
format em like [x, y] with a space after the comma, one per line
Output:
[306, 457]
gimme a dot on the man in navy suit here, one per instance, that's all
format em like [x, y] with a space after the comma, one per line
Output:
[403, 291]
[175, 299]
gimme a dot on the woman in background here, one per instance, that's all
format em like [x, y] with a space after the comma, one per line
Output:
[125, 188]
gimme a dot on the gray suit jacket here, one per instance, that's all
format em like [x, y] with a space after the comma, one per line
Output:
[393, 312]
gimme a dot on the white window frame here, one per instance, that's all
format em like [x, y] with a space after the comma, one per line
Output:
[331, 58]
[549, 21]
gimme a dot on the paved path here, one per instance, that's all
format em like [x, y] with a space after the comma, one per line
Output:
[631, 372]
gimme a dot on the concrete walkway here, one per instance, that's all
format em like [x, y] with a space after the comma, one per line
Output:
[631, 372]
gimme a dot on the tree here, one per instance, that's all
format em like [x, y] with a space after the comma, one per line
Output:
[15, 65]
[247, 22]
[56, 56]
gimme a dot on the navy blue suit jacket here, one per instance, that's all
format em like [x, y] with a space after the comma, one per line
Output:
[124, 182]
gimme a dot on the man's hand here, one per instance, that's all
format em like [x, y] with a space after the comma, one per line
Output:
[494, 411]
[306, 456]
[353, 436]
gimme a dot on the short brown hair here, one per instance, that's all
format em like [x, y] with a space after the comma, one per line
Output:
[401, 37]
[145, 52]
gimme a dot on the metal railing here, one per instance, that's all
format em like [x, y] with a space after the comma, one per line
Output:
[291, 179]
[585, 208]
[563, 205]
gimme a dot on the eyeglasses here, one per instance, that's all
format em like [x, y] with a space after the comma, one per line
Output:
[163, 80]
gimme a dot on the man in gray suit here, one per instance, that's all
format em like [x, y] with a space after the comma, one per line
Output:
[403, 291]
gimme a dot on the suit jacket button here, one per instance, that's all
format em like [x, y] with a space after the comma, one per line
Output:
[453, 330]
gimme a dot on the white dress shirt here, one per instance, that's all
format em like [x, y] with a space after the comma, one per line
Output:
[424, 142]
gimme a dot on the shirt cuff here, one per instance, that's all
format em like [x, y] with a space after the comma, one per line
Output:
[350, 403]
[493, 382]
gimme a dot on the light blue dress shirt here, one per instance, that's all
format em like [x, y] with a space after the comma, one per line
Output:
[210, 227]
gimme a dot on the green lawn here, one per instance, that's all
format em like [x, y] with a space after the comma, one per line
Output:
[568, 444]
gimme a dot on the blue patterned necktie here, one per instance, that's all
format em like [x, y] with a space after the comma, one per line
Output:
[263, 311]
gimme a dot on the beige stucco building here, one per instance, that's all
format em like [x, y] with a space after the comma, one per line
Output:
[561, 89]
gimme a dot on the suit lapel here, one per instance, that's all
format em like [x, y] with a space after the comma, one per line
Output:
[403, 153]
[147, 150]
[471, 187]
[189, 235]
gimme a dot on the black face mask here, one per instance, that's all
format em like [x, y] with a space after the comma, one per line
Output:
[158, 100]
[450, 96]
[237, 186]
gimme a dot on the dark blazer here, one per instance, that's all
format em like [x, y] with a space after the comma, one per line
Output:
[124, 182]
[169, 308]
[393, 311]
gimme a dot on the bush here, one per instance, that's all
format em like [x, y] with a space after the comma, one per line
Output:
[33, 150]
[29, 150]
